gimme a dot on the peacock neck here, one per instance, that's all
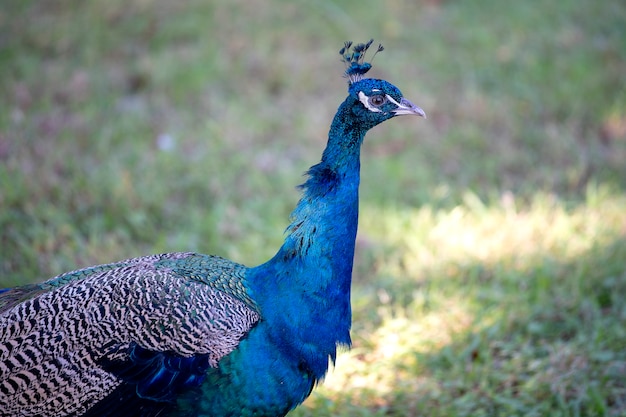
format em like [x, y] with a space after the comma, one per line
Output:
[312, 270]
[324, 223]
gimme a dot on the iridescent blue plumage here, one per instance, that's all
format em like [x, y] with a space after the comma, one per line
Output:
[185, 334]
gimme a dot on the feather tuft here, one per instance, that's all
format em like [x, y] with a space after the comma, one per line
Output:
[356, 67]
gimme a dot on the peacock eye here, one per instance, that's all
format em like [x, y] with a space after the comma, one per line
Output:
[378, 100]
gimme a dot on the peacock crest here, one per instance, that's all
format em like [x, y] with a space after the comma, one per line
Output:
[356, 67]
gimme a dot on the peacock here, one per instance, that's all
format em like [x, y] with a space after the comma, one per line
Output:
[188, 334]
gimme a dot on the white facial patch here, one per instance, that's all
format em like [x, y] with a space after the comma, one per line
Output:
[391, 100]
[366, 102]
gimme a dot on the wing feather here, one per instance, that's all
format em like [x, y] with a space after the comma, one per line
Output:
[64, 343]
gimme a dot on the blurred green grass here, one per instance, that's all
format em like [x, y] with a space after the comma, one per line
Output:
[489, 274]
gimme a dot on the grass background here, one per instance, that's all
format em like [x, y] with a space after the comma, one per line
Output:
[490, 269]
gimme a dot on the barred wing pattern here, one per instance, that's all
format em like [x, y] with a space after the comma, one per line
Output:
[53, 345]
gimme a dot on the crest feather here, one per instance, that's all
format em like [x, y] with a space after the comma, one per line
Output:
[356, 67]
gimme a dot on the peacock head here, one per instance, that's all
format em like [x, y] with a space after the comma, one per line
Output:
[374, 100]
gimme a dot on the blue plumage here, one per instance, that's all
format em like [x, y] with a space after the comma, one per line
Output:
[186, 334]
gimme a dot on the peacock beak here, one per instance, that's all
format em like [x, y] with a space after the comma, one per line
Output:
[406, 107]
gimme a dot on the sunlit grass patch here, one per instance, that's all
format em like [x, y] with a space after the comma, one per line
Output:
[490, 233]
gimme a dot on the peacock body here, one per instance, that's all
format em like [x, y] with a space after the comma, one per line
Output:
[185, 334]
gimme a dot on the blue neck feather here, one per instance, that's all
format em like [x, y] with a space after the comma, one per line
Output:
[313, 268]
